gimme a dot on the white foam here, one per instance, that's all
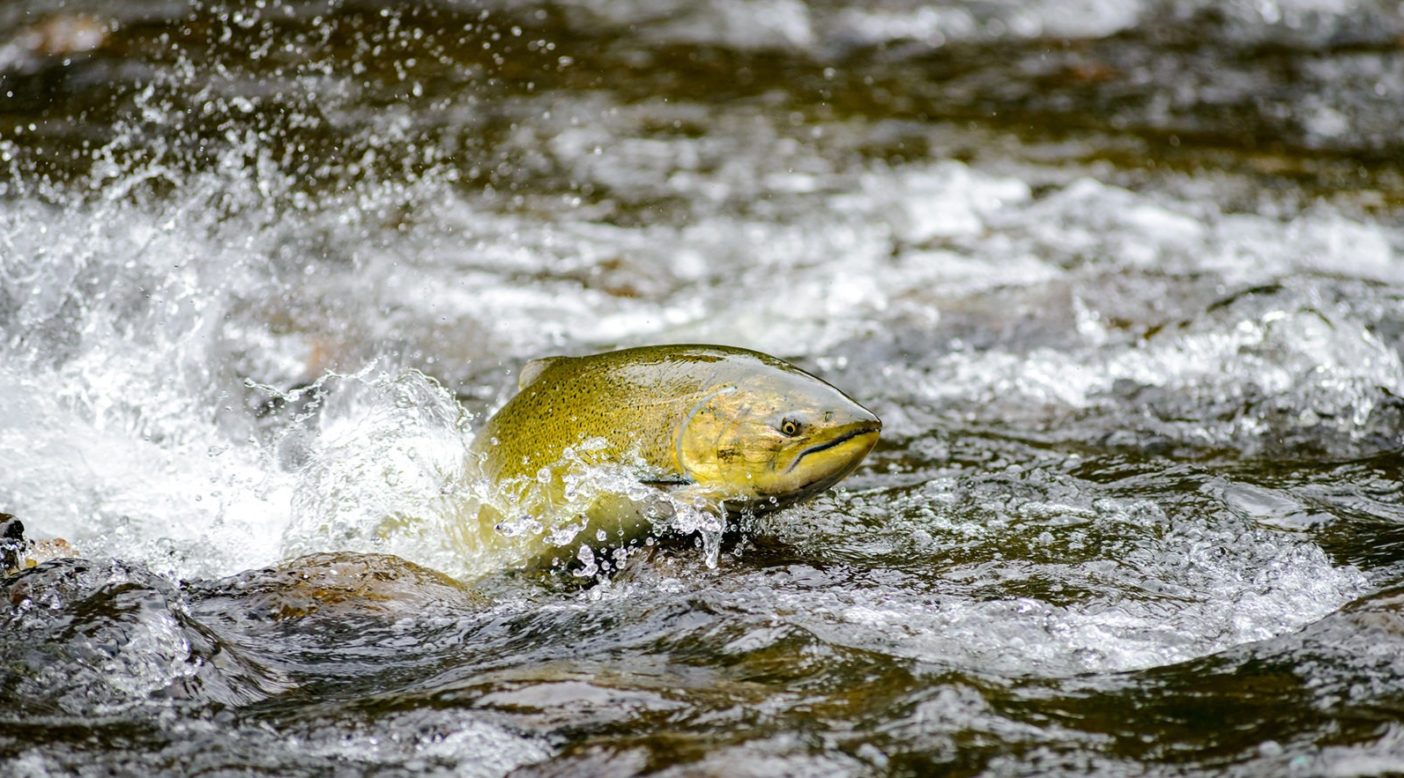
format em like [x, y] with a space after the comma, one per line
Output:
[1208, 591]
[879, 23]
[438, 742]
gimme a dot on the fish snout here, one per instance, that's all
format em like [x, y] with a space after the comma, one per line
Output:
[840, 451]
[865, 422]
[865, 436]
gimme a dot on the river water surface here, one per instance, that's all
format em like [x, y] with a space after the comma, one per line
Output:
[1124, 280]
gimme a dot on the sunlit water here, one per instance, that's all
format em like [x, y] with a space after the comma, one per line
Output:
[1124, 281]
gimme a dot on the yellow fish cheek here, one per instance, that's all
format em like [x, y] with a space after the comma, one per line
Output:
[701, 436]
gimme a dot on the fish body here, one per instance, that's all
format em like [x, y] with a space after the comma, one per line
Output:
[723, 428]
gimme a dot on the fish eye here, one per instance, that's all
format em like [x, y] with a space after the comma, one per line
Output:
[790, 427]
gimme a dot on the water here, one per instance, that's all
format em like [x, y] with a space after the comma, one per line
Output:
[1123, 280]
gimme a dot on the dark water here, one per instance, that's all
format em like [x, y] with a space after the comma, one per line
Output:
[1125, 282]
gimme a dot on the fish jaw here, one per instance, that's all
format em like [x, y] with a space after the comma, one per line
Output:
[826, 462]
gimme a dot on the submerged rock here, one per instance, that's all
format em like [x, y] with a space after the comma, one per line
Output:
[333, 586]
[86, 636]
[18, 552]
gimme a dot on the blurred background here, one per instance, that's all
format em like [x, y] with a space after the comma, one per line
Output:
[1123, 280]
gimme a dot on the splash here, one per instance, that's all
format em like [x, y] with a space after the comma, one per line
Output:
[380, 462]
[384, 464]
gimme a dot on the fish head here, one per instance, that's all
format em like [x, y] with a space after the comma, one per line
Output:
[772, 437]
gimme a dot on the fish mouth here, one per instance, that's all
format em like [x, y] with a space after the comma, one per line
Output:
[859, 436]
[859, 429]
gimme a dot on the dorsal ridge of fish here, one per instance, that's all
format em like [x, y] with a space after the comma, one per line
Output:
[533, 370]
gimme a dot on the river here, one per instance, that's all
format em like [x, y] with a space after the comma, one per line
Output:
[1124, 281]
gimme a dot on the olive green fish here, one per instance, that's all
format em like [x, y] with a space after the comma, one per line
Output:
[722, 428]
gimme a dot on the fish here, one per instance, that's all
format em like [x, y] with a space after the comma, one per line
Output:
[587, 440]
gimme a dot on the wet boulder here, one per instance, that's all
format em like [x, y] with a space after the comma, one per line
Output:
[93, 636]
